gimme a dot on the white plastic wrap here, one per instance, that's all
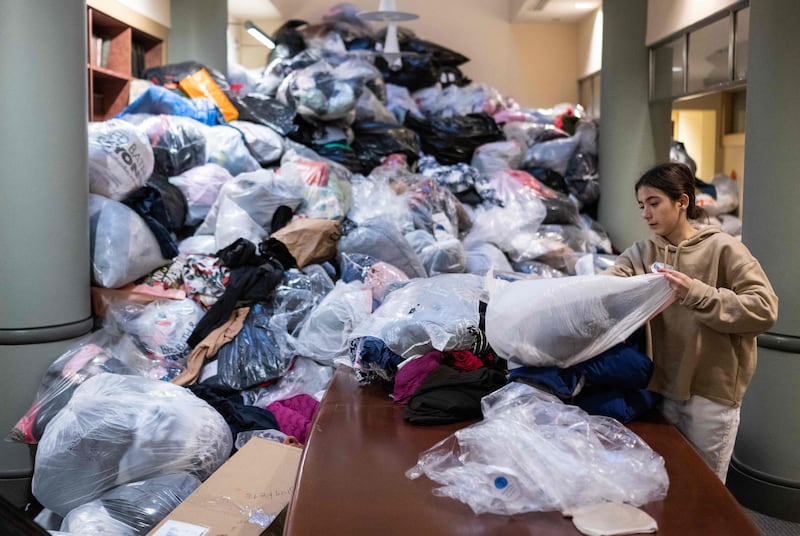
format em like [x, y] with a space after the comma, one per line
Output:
[552, 154]
[483, 256]
[534, 453]
[120, 158]
[373, 197]
[305, 377]
[131, 509]
[91, 355]
[563, 321]
[511, 228]
[324, 335]
[200, 186]
[160, 328]
[245, 206]
[317, 94]
[496, 156]
[123, 246]
[225, 146]
[265, 144]
[443, 254]
[436, 313]
[727, 196]
[120, 429]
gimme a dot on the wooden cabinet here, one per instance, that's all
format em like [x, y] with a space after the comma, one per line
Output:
[117, 53]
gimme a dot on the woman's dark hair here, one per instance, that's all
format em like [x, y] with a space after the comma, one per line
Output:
[674, 179]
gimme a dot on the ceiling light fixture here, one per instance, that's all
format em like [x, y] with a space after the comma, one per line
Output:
[259, 34]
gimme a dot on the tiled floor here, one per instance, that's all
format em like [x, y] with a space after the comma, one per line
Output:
[771, 526]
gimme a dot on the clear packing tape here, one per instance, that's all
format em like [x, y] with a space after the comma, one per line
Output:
[534, 453]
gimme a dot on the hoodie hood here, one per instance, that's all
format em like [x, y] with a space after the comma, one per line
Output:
[670, 254]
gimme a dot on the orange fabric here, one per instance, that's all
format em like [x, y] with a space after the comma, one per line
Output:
[200, 84]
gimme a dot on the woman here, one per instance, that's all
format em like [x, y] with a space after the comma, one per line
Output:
[703, 345]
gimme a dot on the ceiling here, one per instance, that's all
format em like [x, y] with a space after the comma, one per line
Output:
[569, 11]
[552, 10]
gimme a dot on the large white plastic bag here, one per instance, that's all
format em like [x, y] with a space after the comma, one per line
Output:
[436, 313]
[120, 158]
[258, 194]
[265, 145]
[225, 146]
[130, 509]
[323, 336]
[534, 453]
[160, 329]
[563, 321]
[200, 186]
[119, 429]
[123, 246]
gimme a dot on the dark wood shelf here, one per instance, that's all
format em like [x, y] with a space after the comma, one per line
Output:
[117, 54]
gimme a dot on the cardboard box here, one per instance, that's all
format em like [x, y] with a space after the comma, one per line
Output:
[242, 497]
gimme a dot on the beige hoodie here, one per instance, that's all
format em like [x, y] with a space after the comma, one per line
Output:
[705, 344]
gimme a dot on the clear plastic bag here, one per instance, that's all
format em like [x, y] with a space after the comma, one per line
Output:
[119, 429]
[483, 256]
[91, 355]
[130, 509]
[373, 197]
[160, 329]
[122, 245]
[497, 156]
[533, 453]
[443, 255]
[245, 206]
[380, 238]
[264, 143]
[323, 336]
[437, 313]
[225, 145]
[305, 377]
[563, 321]
[200, 186]
[120, 158]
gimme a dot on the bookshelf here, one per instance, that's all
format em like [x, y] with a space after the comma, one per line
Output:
[117, 53]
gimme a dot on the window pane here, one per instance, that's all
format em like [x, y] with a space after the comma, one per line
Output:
[708, 55]
[668, 69]
[741, 44]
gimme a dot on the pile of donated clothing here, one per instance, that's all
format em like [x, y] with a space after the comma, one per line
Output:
[250, 233]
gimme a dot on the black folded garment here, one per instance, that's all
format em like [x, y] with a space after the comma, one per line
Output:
[448, 395]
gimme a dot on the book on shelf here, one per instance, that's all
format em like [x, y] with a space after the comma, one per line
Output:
[98, 51]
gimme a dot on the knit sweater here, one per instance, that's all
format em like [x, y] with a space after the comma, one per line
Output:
[705, 344]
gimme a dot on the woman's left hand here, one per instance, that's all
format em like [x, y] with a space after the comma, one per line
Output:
[678, 281]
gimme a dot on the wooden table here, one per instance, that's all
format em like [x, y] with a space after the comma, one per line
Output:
[352, 479]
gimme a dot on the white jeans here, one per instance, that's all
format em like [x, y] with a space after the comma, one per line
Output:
[710, 428]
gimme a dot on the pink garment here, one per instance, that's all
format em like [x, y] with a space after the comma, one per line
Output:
[411, 374]
[295, 415]
[464, 360]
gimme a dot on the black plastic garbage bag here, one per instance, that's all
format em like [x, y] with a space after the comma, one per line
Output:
[374, 140]
[416, 72]
[453, 139]
[346, 155]
[288, 39]
[267, 111]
